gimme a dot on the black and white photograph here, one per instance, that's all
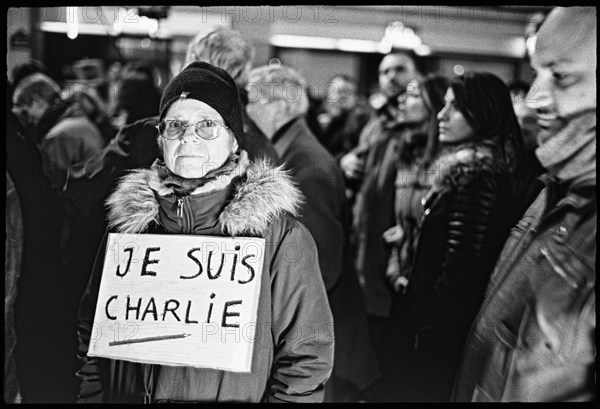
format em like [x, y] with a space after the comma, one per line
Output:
[300, 204]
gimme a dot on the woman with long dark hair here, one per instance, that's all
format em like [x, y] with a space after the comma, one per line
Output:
[467, 217]
[417, 150]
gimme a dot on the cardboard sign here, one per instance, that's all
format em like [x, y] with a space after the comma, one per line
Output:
[179, 300]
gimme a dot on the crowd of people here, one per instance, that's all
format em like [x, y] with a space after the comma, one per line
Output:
[446, 235]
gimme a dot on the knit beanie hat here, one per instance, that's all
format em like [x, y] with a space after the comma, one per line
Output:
[211, 85]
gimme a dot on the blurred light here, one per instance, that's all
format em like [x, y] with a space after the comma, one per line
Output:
[530, 44]
[72, 23]
[401, 36]
[518, 47]
[459, 69]
[328, 43]
[363, 46]
[293, 41]
[58, 27]
[274, 62]
[423, 49]
[145, 43]
[150, 24]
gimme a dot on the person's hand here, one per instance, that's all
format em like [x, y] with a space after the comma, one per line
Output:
[352, 166]
[393, 275]
[399, 284]
[394, 235]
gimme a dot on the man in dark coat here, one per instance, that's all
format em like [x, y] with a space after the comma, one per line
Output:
[533, 339]
[277, 104]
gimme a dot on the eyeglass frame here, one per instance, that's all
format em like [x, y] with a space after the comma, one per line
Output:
[187, 125]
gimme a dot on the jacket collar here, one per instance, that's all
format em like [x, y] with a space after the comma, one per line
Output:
[289, 133]
[261, 195]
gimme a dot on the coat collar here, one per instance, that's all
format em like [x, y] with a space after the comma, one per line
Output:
[261, 195]
[294, 128]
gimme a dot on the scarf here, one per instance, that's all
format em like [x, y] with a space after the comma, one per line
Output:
[571, 153]
[185, 186]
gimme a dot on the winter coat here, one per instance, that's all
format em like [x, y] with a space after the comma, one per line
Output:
[325, 215]
[288, 364]
[373, 214]
[534, 337]
[466, 220]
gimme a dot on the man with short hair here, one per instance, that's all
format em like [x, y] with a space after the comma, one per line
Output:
[396, 70]
[278, 104]
[534, 336]
[373, 180]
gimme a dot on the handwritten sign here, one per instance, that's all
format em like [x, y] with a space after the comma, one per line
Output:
[179, 300]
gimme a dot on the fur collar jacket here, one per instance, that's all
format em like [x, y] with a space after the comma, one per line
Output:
[252, 196]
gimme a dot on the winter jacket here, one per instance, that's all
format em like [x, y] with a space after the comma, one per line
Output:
[293, 350]
[534, 337]
[373, 214]
[466, 220]
[325, 215]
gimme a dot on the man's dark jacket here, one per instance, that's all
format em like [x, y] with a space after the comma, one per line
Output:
[325, 214]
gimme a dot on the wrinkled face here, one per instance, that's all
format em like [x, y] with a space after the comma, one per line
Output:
[453, 125]
[395, 72]
[191, 156]
[565, 64]
[29, 114]
[341, 96]
[411, 105]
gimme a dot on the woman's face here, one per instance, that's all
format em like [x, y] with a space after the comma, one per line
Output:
[191, 156]
[452, 123]
[411, 106]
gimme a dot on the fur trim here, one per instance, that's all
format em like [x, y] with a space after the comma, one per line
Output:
[262, 195]
[132, 206]
[450, 167]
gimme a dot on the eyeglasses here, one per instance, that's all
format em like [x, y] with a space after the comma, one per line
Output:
[206, 128]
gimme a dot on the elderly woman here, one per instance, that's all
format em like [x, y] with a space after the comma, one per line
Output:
[467, 218]
[206, 186]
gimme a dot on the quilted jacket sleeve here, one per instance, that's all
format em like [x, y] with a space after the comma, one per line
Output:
[470, 207]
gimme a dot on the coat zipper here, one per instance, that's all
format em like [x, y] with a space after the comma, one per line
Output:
[180, 207]
[186, 217]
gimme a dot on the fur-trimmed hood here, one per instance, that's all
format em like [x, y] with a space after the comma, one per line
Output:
[262, 194]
